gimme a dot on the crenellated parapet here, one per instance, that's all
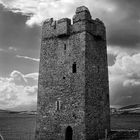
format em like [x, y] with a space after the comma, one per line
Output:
[82, 21]
[82, 14]
[53, 28]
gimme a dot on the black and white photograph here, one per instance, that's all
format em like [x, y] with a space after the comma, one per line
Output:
[69, 69]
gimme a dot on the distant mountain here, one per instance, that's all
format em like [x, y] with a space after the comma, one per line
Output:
[130, 107]
[32, 107]
[3, 111]
[10, 112]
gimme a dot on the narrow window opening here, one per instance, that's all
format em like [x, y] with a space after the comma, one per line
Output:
[58, 105]
[74, 67]
[64, 46]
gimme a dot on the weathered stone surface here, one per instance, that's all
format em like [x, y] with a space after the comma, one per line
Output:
[67, 96]
[81, 16]
[63, 27]
[81, 9]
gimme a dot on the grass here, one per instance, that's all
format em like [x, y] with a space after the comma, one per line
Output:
[17, 126]
[125, 121]
[22, 126]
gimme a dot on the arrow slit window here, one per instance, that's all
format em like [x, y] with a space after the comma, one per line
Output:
[74, 69]
[58, 105]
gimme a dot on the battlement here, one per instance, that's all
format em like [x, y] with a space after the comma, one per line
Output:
[82, 13]
[53, 28]
[82, 21]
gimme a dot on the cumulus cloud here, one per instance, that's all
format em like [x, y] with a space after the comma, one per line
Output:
[122, 18]
[27, 57]
[124, 79]
[127, 65]
[16, 91]
[32, 78]
[131, 82]
[18, 78]
[39, 10]
[1, 49]
[124, 24]
[32, 75]
[12, 48]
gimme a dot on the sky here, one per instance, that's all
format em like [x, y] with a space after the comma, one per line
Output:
[20, 37]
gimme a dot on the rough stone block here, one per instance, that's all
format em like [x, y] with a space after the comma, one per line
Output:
[100, 29]
[63, 27]
[48, 29]
[84, 15]
[82, 9]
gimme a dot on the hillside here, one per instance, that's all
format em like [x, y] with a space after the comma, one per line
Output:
[130, 106]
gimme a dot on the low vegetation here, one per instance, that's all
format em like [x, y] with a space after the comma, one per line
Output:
[21, 125]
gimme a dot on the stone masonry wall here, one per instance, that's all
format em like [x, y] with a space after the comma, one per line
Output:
[96, 88]
[77, 98]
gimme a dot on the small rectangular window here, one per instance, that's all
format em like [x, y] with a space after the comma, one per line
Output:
[58, 105]
[74, 67]
[64, 46]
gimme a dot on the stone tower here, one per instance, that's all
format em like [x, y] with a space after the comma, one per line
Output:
[73, 94]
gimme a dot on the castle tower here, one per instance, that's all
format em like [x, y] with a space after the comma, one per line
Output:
[73, 92]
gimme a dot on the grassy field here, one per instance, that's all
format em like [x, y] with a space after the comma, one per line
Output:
[126, 121]
[17, 126]
[22, 126]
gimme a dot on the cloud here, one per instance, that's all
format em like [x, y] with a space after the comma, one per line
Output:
[16, 91]
[31, 90]
[18, 78]
[127, 65]
[1, 49]
[32, 78]
[121, 17]
[118, 51]
[12, 48]
[32, 75]
[123, 25]
[124, 79]
[26, 57]
[131, 82]
[39, 10]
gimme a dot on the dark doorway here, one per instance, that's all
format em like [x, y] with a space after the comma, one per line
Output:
[68, 133]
